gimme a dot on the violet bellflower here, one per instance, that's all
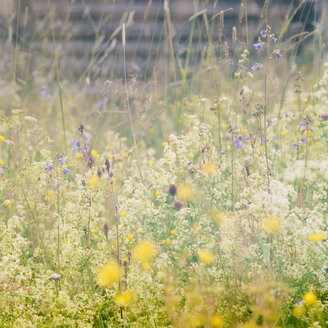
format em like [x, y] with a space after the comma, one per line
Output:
[258, 46]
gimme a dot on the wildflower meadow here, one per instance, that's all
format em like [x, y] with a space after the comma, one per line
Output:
[188, 191]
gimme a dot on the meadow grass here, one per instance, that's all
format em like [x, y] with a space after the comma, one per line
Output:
[192, 194]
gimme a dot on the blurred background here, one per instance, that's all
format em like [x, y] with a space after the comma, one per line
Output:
[88, 33]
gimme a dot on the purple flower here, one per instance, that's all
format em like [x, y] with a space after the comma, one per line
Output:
[299, 302]
[221, 153]
[100, 105]
[48, 168]
[258, 46]
[302, 123]
[255, 68]
[303, 140]
[264, 140]
[117, 108]
[263, 33]
[269, 123]
[178, 204]
[324, 116]
[76, 146]
[238, 142]
[286, 114]
[273, 38]
[279, 55]
[86, 150]
[46, 95]
[62, 159]
[294, 144]
[66, 171]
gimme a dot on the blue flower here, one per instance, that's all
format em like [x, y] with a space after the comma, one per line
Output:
[221, 153]
[258, 46]
[269, 123]
[48, 168]
[62, 159]
[263, 33]
[46, 95]
[238, 142]
[302, 123]
[255, 68]
[100, 105]
[76, 146]
[66, 171]
[294, 144]
[279, 55]
[303, 140]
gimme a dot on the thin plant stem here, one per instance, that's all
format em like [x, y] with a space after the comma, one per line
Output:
[58, 76]
[128, 105]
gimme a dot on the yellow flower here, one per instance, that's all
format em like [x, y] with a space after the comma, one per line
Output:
[42, 154]
[164, 144]
[101, 248]
[123, 214]
[217, 321]
[309, 298]
[308, 133]
[95, 230]
[110, 156]
[50, 193]
[94, 154]
[184, 192]
[124, 154]
[224, 126]
[151, 163]
[129, 237]
[2, 162]
[7, 202]
[79, 155]
[157, 193]
[219, 217]
[124, 298]
[125, 260]
[205, 256]
[93, 180]
[317, 237]
[209, 168]
[260, 149]
[250, 325]
[58, 170]
[299, 310]
[145, 251]
[109, 274]
[2, 138]
[174, 232]
[284, 133]
[108, 147]
[271, 224]
[69, 219]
